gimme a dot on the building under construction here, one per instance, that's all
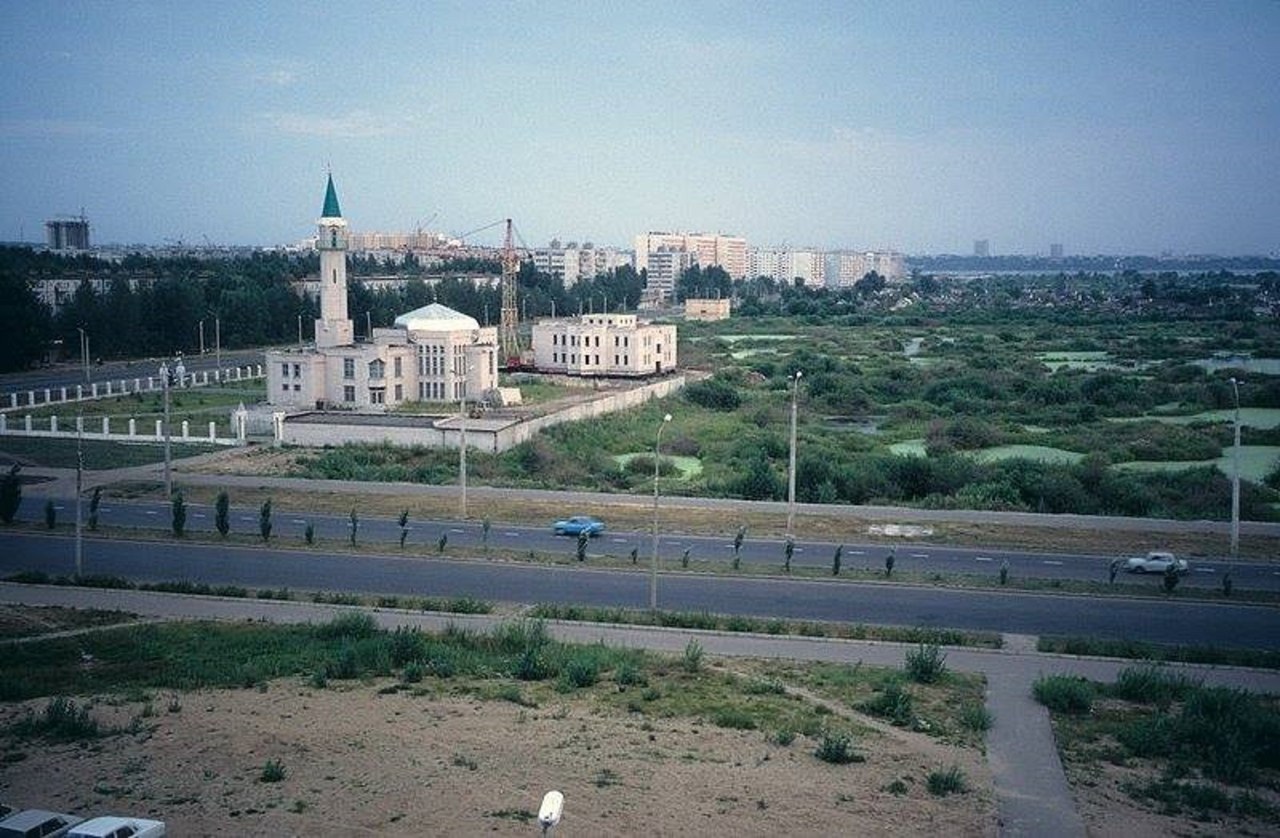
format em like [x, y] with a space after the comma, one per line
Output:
[67, 232]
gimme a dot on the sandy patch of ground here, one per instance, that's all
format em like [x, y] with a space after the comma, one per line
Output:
[358, 762]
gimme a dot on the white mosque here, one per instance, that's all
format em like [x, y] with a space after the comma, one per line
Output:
[432, 354]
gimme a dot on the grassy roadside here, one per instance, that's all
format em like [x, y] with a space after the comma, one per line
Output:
[1161, 742]
[517, 661]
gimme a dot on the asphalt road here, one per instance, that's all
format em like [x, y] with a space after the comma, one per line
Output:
[71, 374]
[1176, 622]
[719, 549]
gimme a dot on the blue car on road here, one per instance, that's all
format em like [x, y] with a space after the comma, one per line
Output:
[578, 524]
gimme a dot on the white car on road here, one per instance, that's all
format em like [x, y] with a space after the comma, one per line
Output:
[1157, 561]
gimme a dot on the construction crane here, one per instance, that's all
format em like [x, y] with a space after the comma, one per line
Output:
[509, 326]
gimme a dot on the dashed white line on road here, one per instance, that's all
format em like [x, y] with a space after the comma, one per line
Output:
[1051, 561]
[919, 555]
[857, 552]
[983, 559]
[151, 512]
[1205, 570]
[298, 521]
[198, 515]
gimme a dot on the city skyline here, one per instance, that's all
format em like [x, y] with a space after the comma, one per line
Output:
[916, 127]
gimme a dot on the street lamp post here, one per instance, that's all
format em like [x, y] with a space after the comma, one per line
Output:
[168, 477]
[653, 563]
[1235, 476]
[84, 351]
[217, 345]
[791, 471]
[462, 441]
[202, 338]
[79, 493]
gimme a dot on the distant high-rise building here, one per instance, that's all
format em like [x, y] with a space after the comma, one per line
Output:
[1055, 251]
[981, 247]
[847, 267]
[67, 233]
[727, 252]
[787, 266]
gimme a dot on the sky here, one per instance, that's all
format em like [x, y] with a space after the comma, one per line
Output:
[1108, 127]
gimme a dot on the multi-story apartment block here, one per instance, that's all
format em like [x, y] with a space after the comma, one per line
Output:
[847, 267]
[727, 252]
[604, 345]
[664, 269]
[787, 266]
[571, 263]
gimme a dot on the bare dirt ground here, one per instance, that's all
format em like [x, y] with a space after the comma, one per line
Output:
[360, 762]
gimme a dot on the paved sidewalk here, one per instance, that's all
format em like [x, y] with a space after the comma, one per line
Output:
[1033, 798]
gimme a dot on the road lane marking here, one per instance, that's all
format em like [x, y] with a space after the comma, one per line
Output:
[919, 555]
[151, 512]
[1052, 562]
[298, 521]
[857, 552]
[1204, 570]
[198, 515]
[983, 559]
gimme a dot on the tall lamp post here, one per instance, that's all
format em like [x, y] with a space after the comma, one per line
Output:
[79, 494]
[84, 351]
[1235, 476]
[653, 563]
[462, 439]
[791, 471]
[168, 476]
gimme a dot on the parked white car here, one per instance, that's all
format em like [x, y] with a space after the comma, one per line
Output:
[37, 823]
[1157, 561]
[111, 826]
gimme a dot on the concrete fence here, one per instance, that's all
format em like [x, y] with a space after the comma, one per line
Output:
[118, 430]
[41, 397]
[492, 432]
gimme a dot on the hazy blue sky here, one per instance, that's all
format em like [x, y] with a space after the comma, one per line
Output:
[1111, 127]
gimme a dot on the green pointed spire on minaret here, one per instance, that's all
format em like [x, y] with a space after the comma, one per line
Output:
[331, 208]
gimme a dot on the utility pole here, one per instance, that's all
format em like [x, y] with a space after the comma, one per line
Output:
[168, 477]
[791, 472]
[79, 493]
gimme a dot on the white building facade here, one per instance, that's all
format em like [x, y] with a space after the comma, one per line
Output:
[433, 354]
[708, 250]
[612, 345]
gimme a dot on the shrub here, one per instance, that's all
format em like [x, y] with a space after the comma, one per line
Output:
[407, 644]
[947, 781]
[62, 720]
[692, 660]
[10, 494]
[837, 749]
[352, 626]
[179, 515]
[1152, 685]
[581, 670]
[734, 718]
[975, 717]
[1064, 693]
[222, 514]
[272, 772]
[926, 664]
[893, 702]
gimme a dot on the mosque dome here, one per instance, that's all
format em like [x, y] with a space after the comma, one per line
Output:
[436, 318]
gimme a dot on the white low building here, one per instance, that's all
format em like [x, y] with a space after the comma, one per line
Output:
[604, 345]
[433, 354]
